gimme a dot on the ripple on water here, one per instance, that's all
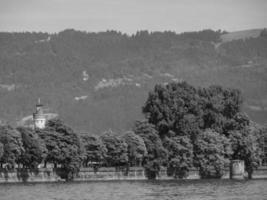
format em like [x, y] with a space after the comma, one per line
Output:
[141, 190]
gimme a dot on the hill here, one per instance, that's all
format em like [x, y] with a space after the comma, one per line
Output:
[237, 35]
[97, 81]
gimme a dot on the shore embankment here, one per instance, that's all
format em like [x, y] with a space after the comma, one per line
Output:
[103, 174]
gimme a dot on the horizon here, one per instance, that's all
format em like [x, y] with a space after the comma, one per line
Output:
[129, 34]
[129, 16]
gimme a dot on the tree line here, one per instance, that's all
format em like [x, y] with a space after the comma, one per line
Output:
[199, 57]
[185, 127]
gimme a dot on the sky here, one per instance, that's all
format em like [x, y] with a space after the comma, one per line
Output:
[129, 16]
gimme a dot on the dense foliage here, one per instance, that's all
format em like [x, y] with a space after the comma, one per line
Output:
[180, 158]
[136, 148]
[95, 150]
[63, 145]
[116, 149]
[185, 128]
[201, 127]
[247, 146]
[212, 153]
[34, 148]
[156, 153]
[12, 146]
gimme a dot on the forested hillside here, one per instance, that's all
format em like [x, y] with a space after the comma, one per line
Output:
[100, 81]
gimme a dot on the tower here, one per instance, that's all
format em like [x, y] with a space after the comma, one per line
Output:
[39, 119]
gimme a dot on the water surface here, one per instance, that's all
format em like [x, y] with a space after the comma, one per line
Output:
[138, 190]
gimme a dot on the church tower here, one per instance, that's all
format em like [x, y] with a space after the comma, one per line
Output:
[39, 119]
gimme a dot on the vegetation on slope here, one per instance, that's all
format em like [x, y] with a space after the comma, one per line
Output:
[97, 81]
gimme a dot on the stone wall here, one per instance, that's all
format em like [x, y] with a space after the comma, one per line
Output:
[25, 175]
[110, 174]
[103, 174]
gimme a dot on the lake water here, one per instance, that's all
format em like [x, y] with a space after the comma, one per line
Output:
[138, 190]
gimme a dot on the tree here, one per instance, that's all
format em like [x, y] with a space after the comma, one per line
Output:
[227, 101]
[219, 107]
[34, 148]
[167, 105]
[95, 150]
[1, 150]
[212, 153]
[64, 147]
[116, 149]
[136, 147]
[156, 153]
[207, 117]
[180, 160]
[185, 110]
[247, 146]
[264, 145]
[239, 122]
[12, 145]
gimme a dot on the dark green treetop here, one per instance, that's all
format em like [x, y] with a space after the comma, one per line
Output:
[247, 145]
[136, 147]
[95, 150]
[63, 145]
[12, 144]
[34, 148]
[116, 149]
[212, 153]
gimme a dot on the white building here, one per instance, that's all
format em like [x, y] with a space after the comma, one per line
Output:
[39, 119]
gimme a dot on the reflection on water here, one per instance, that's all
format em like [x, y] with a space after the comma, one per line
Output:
[141, 190]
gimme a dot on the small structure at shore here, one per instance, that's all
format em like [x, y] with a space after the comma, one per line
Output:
[237, 169]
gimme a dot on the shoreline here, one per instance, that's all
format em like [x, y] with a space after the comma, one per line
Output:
[135, 180]
[46, 175]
